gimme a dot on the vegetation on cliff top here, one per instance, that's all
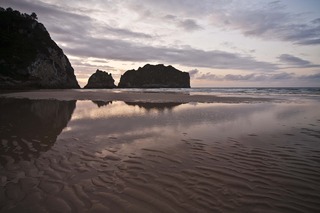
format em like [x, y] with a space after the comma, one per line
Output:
[22, 37]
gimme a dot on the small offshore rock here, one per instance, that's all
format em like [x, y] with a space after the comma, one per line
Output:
[100, 80]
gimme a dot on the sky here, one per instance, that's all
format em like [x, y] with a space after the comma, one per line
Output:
[221, 43]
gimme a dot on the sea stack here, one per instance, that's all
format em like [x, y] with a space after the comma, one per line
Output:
[100, 80]
[29, 58]
[155, 76]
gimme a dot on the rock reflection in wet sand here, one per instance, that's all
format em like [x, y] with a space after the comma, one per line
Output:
[29, 127]
[138, 157]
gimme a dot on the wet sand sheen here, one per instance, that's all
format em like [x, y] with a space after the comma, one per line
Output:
[138, 158]
[110, 95]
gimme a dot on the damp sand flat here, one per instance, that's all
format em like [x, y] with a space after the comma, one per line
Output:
[123, 95]
[129, 156]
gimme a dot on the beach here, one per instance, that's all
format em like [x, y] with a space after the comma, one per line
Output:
[130, 96]
[158, 151]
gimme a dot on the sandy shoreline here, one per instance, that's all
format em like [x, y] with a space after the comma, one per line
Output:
[110, 95]
[147, 152]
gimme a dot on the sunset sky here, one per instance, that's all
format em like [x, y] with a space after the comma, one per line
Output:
[219, 42]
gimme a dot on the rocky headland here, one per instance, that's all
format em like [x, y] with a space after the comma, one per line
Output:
[29, 58]
[100, 80]
[155, 76]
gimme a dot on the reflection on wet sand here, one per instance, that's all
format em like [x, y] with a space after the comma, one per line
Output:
[102, 103]
[29, 127]
[145, 105]
[156, 106]
[177, 158]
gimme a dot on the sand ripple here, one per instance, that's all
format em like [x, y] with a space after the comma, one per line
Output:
[227, 176]
[256, 171]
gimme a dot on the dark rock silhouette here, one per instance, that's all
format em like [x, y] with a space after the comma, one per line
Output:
[29, 127]
[155, 76]
[29, 58]
[102, 103]
[100, 80]
[157, 106]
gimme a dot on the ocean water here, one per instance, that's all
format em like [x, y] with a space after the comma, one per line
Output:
[236, 91]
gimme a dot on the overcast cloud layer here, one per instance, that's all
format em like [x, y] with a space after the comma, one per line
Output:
[217, 41]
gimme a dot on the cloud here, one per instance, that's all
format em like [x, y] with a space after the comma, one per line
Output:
[49, 11]
[303, 34]
[189, 25]
[60, 20]
[193, 73]
[309, 42]
[170, 17]
[313, 77]
[296, 61]
[257, 77]
[185, 24]
[290, 59]
[253, 77]
[130, 51]
[271, 22]
[185, 7]
[207, 76]
[122, 32]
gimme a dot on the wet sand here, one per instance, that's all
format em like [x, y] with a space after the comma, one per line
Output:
[169, 156]
[116, 95]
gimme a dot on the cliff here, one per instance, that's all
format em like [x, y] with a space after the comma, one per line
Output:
[29, 58]
[155, 76]
[100, 80]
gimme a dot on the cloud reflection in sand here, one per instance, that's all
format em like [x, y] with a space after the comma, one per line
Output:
[165, 123]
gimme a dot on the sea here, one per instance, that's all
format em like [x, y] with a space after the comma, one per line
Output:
[238, 91]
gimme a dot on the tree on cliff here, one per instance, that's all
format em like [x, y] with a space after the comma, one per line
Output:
[34, 16]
